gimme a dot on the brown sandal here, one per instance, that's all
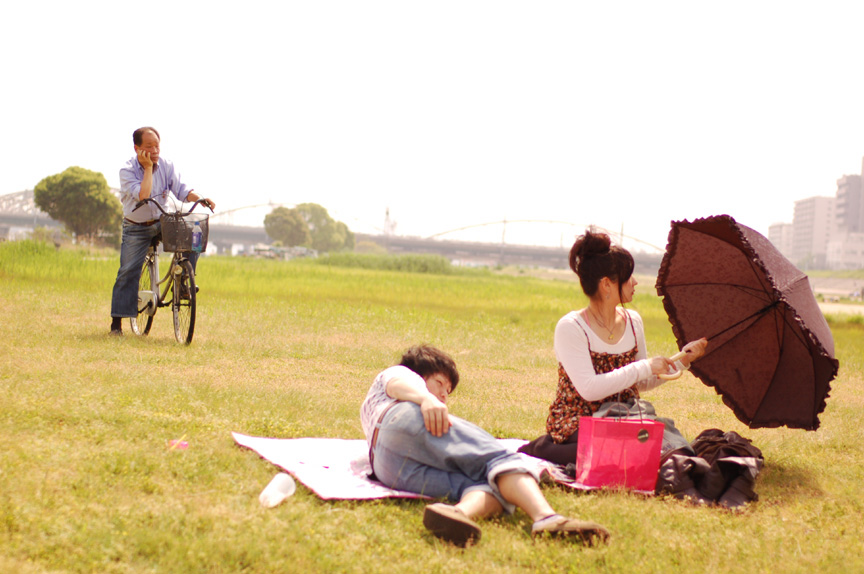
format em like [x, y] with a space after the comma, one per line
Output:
[557, 525]
[451, 524]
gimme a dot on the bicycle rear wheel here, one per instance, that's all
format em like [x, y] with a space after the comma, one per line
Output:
[183, 304]
[144, 320]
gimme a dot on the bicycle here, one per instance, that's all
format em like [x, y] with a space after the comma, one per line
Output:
[179, 281]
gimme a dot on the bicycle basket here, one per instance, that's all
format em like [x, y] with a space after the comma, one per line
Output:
[177, 230]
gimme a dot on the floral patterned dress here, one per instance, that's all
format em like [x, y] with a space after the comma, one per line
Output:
[568, 406]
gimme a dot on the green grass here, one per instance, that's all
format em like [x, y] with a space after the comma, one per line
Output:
[844, 274]
[288, 349]
[437, 264]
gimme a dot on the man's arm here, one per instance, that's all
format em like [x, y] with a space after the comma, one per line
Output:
[193, 197]
[147, 180]
[435, 413]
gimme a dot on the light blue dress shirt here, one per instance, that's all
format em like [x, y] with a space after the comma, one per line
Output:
[165, 180]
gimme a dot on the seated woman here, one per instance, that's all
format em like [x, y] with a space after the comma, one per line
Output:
[601, 348]
[416, 445]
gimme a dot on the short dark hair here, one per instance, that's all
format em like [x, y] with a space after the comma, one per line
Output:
[138, 134]
[593, 257]
[426, 361]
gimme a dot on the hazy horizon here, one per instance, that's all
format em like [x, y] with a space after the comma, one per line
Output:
[450, 114]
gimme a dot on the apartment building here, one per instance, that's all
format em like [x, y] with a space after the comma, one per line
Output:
[850, 204]
[826, 232]
[780, 234]
[813, 226]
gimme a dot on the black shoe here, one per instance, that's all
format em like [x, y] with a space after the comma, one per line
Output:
[116, 326]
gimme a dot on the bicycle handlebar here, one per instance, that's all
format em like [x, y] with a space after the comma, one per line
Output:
[157, 204]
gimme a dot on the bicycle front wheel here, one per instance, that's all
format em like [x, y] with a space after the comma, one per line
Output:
[146, 303]
[183, 305]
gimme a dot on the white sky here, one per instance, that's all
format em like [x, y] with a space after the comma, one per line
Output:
[449, 113]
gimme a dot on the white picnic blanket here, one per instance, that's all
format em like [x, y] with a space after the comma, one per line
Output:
[333, 468]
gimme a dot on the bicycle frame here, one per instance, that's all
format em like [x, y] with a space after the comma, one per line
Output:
[158, 297]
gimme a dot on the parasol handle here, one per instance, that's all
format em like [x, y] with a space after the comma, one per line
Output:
[676, 374]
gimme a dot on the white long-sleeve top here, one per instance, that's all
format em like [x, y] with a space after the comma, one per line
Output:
[573, 336]
[377, 400]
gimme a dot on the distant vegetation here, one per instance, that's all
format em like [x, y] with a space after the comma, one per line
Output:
[82, 201]
[838, 274]
[308, 225]
[414, 263]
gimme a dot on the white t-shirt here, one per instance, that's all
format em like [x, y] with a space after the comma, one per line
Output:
[377, 399]
[571, 348]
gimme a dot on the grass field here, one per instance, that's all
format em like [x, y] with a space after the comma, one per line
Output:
[87, 483]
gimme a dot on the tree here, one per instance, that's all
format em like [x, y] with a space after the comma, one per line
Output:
[327, 234]
[81, 200]
[342, 229]
[287, 226]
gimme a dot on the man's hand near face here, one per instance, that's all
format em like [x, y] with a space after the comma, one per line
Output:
[147, 180]
[144, 159]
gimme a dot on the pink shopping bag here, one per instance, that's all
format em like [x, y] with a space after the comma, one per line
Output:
[618, 453]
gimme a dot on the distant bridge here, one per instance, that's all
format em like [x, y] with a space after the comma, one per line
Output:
[581, 226]
[17, 210]
[494, 254]
[226, 216]
[19, 203]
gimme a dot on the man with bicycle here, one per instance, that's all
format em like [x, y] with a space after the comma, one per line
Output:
[144, 176]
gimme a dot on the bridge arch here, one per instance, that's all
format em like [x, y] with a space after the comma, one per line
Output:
[620, 236]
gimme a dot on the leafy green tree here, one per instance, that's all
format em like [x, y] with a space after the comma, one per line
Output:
[327, 234]
[287, 226]
[343, 230]
[82, 201]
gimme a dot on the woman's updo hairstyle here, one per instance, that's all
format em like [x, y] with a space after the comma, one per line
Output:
[593, 257]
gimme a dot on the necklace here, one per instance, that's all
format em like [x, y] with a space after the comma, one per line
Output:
[602, 323]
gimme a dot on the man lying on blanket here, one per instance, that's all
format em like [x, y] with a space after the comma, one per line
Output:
[416, 445]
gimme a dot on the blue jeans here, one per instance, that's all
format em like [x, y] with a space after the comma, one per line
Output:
[133, 250]
[466, 458]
